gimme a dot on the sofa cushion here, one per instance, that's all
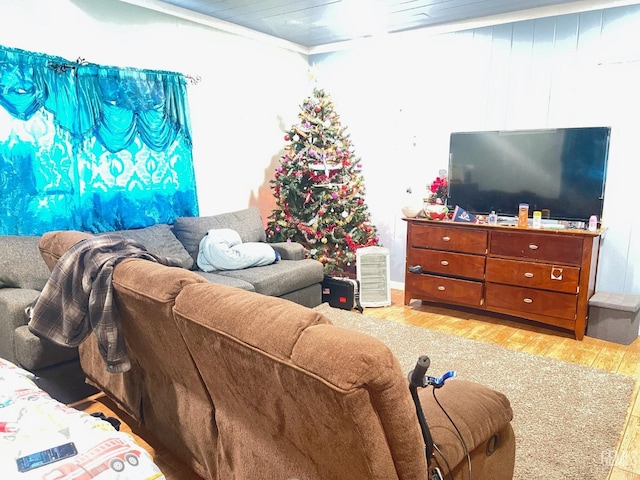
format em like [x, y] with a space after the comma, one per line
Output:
[224, 280]
[280, 278]
[21, 265]
[190, 230]
[159, 240]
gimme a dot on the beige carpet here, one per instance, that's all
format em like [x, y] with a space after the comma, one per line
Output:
[567, 417]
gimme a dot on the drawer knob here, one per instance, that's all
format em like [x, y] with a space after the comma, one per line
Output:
[533, 246]
[528, 274]
[446, 239]
[441, 288]
[527, 300]
[444, 263]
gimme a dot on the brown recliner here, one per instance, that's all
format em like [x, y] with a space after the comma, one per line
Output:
[246, 386]
[298, 398]
[163, 389]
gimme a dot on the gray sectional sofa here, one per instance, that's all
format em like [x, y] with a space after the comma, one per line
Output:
[293, 278]
[23, 274]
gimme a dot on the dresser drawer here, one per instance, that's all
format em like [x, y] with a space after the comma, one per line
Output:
[465, 240]
[443, 289]
[447, 263]
[559, 278]
[549, 248]
[531, 301]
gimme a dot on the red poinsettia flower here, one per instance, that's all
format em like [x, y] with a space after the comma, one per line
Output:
[438, 188]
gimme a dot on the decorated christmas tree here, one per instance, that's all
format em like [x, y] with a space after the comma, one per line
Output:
[319, 190]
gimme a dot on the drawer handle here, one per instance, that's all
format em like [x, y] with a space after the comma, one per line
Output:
[446, 239]
[533, 246]
[441, 288]
[444, 263]
[528, 275]
[527, 300]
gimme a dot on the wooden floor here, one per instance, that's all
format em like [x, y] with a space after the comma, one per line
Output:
[507, 333]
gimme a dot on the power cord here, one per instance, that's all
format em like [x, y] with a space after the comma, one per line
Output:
[418, 379]
[437, 449]
[464, 445]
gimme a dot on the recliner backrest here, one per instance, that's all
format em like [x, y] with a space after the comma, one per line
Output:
[298, 397]
[163, 389]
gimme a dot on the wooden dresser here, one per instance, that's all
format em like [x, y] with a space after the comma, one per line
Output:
[543, 275]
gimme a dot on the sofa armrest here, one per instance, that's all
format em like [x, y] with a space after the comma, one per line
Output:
[478, 412]
[289, 250]
[34, 353]
[13, 301]
[17, 343]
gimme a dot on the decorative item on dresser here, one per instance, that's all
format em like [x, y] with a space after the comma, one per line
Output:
[435, 210]
[546, 276]
[413, 204]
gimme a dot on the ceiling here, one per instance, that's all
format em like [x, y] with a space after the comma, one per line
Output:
[316, 23]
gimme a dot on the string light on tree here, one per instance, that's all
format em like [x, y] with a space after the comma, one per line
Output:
[319, 189]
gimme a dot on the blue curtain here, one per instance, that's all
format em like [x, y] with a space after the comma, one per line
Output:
[90, 147]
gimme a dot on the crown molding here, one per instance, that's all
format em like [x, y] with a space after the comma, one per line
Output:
[529, 14]
[206, 20]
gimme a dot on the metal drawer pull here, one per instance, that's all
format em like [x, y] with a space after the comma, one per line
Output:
[441, 288]
[444, 263]
[528, 275]
[446, 239]
[533, 246]
[527, 300]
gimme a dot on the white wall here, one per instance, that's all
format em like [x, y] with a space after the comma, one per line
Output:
[248, 89]
[402, 96]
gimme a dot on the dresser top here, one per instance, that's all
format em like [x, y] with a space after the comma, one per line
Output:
[548, 229]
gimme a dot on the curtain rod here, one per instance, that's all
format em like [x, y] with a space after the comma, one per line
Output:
[80, 62]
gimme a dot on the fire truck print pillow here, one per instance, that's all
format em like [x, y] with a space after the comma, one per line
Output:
[41, 438]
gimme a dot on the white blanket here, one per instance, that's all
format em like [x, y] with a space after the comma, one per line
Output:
[222, 249]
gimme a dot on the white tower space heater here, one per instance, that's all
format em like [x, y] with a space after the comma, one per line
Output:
[372, 270]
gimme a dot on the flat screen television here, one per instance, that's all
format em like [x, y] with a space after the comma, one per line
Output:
[561, 170]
